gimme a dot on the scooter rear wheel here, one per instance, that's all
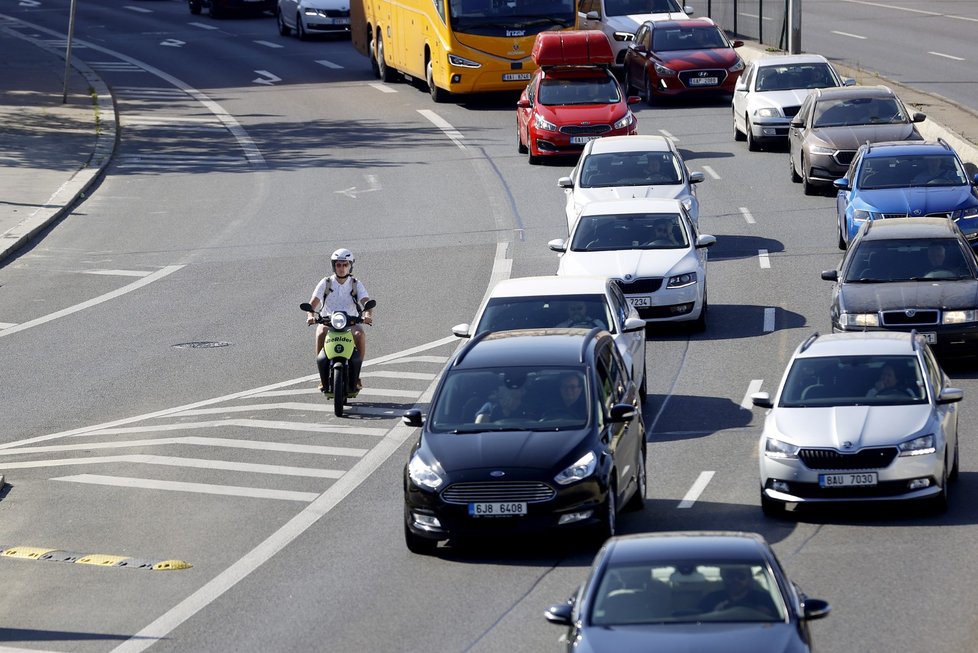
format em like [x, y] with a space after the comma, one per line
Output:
[339, 390]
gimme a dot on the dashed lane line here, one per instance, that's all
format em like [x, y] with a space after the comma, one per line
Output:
[329, 64]
[227, 443]
[177, 461]
[710, 171]
[696, 490]
[383, 88]
[769, 314]
[196, 488]
[744, 211]
[446, 127]
[763, 259]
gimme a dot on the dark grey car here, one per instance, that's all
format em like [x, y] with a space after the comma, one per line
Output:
[833, 122]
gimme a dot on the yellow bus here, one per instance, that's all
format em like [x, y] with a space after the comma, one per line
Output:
[456, 46]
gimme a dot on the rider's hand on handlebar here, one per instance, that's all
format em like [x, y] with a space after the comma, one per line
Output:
[367, 319]
[310, 320]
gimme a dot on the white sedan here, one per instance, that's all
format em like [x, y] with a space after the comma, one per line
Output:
[308, 17]
[617, 167]
[651, 247]
[770, 92]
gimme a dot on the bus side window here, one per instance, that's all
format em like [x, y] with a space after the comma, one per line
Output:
[440, 8]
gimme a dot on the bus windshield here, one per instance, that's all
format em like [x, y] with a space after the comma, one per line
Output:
[503, 17]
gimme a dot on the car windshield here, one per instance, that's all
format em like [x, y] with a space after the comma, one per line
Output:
[600, 233]
[511, 399]
[859, 111]
[684, 592]
[792, 76]
[578, 90]
[923, 259]
[913, 170]
[687, 38]
[631, 7]
[546, 311]
[630, 169]
[863, 380]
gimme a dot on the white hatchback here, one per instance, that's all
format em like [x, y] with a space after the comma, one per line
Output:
[309, 17]
[625, 167]
[564, 302]
[651, 248]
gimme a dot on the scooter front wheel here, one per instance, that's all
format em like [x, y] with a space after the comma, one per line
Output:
[339, 390]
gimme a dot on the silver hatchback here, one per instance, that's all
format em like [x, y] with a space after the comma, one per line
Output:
[859, 417]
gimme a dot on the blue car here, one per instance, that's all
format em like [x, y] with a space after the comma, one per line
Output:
[907, 179]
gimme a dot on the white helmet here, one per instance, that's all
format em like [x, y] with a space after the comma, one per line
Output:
[342, 254]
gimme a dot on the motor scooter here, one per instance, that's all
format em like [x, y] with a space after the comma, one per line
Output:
[339, 362]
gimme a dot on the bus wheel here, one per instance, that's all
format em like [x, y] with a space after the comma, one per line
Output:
[439, 95]
[373, 57]
[385, 72]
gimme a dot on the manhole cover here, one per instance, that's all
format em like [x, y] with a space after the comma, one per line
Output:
[203, 344]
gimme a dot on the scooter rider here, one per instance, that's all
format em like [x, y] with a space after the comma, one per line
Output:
[341, 291]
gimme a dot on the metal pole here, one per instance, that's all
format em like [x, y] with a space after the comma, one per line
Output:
[794, 26]
[71, 33]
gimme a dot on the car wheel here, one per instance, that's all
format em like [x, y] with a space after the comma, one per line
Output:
[385, 72]
[520, 147]
[373, 56]
[752, 144]
[608, 516]
[738, 135]
[643, 390]
[283, 29]
[699, 325]
[806, 184]
[637, 502]
[938, 503]
[953, 476]
[438, 95]
[842, 237]
[417, 544]
[771, 508]
[791, 166]
[649, 93]
[195, 6]
[533, 159]
[300, 29]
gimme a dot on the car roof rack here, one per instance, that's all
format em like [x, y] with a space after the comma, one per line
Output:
[808, 341]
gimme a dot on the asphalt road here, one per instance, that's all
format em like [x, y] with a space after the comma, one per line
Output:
[227, 193]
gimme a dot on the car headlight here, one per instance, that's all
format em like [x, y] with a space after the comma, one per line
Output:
[540, 123]
[859, 320]
[338, 320]
[918, 446]
[965, 213]
[768, 112]
[682, 280]
[960, 317]
[737, 66]
[780, 450]
[859, 215]
[462, 62]
[579, 470]
[662, 71]
[625, 122]
[818, 149]
[424, 475]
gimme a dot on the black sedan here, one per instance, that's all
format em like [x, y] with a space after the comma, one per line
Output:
[695, 591]
[906, 274]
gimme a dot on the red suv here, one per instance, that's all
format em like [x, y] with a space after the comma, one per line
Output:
[680, 57]
[573, 97]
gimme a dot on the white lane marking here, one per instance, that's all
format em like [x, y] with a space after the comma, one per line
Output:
[199, 488]
[946, 56]
[7, 325]
[269, 44]
[266, 78]
[752, 387]
[227, 443]
[373, 392]
[175, 461]
[319, 407]
[203, 26]
[763, 259]
[418, 376]
[669, 136]
[446, 127]
[852, 36]
[135, 285]
[890, 6]
[383, 88]
[747, 216]
[119, 273]
[141, 10]
[710, 171]
[173, 43]
[329, 64]
[422, 359]
[768, 319]
[694, 492]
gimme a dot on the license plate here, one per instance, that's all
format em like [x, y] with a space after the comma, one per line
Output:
[516, 77]
[337, 21]
[862, 479]
[580, 140]
[703, 81]
[929, 337]
[640, 302]
[509, 509]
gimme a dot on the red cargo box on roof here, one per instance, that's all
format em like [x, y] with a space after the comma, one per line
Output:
[575, 48]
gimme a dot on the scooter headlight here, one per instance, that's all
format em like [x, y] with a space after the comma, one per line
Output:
[338, 320]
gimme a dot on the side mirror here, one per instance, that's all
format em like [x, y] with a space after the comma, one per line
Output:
[622, 413]
[848, 81]
[559, 614]
[557, 245]
[841, 184]
[633, 99]
[830, 275]
[737, 44]
[633, 324]
[815, 609]
[950, 396]
[919, 117]
[762, 400]
[565, 182]
[370, 303]
[638, 48]
[412, 417]
[696, 177]
[797, 122]
[689, 11]
[705, 240]
[461, 331]
[306, 306]
[593, 15]
[523, 103]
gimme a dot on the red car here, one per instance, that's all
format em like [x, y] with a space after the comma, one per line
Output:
[681, 57]
[573, 97]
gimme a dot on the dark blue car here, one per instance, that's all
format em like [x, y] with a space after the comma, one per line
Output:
[901, 180]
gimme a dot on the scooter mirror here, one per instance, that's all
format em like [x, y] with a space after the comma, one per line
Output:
[370, 304]
[306, 306]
